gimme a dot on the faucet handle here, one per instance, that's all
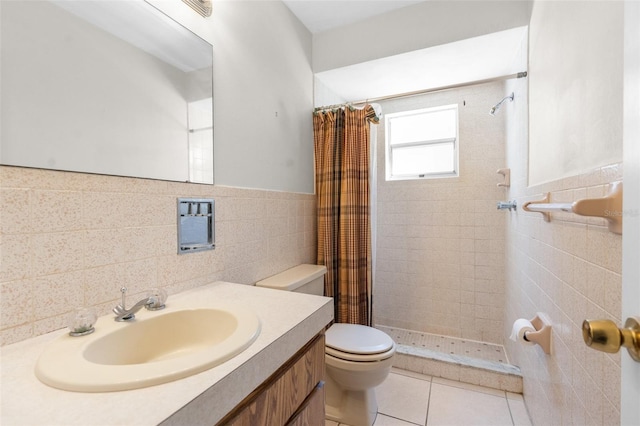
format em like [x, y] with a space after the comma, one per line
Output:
[123, 290]
[157, 298]
[81, 321]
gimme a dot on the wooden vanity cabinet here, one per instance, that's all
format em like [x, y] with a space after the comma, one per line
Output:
[292, 396]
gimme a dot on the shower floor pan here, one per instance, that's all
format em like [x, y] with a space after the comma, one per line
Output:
[463, 360]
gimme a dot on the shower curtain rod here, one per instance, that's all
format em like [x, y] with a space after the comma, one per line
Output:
[422, 92]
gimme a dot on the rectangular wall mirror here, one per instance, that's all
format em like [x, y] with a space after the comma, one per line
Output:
[107, 87]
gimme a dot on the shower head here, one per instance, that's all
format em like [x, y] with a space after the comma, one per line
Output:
[497, 106]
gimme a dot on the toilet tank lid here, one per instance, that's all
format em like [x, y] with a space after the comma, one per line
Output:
[293, 278]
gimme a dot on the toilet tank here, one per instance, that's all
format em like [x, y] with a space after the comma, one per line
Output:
[307, 279]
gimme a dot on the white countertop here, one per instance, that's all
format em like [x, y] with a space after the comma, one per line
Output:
[289, 320]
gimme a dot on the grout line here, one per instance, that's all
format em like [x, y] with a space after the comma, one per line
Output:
[426, 419]
[473, 388]
[513, 422]
[411, 374]
[391, 417]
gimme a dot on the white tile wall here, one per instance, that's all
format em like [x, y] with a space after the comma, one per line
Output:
[570, 269]
[440, 246]
[73, 239]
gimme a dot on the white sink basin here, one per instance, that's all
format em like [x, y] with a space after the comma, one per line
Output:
[157, 347]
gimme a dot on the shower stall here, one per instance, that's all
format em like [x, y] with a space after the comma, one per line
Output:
[439, 285]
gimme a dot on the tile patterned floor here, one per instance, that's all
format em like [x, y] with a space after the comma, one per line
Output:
[409, 399]
[447, 345]
[463, 360]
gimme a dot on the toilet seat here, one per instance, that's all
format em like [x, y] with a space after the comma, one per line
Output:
[354, 342]
[345, 356]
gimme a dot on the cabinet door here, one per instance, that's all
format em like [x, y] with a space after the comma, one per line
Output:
[281, 396]
[312, 411]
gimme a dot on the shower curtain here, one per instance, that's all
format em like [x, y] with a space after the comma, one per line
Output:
[341, 143]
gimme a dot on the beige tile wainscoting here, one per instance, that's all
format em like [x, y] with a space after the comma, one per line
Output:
[73, 239]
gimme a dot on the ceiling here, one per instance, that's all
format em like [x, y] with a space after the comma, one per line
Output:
[484, 57]
[323, 15]
[474, 59]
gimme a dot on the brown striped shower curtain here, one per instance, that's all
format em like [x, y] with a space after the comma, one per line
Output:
[341, 140]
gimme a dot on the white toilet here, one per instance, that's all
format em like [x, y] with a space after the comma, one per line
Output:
[358, 358]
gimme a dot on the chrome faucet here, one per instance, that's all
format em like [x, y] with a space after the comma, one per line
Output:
[123, 314]
[504, 205]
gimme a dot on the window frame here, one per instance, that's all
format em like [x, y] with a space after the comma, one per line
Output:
[389, 146]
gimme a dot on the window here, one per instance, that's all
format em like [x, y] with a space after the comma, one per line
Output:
[422, 143]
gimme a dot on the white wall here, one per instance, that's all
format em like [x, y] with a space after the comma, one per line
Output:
[575, 77]
[263, 88]
[426, 24]
[263, 93]
[323, 96]
[630, 410]
[568, 268]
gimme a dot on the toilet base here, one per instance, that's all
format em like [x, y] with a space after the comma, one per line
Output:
[353, 407]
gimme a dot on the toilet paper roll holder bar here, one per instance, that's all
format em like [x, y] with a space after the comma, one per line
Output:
[542, 335]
